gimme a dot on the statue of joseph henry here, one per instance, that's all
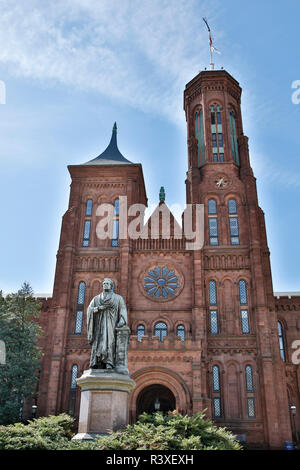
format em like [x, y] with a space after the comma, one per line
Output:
[106, 312]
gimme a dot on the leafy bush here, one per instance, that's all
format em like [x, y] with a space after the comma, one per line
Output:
[170, 432]
[153, 432]
[53, 433]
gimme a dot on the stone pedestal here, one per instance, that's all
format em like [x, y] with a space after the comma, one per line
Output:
[104, 402]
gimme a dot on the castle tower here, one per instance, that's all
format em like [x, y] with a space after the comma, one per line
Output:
[203, 322]
[234, 302]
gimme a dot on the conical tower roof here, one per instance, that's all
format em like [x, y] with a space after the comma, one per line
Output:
[111, 155]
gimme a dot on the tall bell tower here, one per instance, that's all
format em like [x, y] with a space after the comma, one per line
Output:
[234, 311]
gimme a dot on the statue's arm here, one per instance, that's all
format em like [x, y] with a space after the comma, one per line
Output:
[90, 321]
[122, 312]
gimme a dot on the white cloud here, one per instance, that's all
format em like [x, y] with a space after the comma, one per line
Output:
[141, 53]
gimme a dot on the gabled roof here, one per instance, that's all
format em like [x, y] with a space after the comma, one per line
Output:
[111, 155]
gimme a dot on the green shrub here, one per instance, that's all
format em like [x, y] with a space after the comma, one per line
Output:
[153, 432]
[53, 432]
[170, 432]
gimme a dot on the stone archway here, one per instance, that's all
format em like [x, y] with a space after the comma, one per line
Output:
[155, 393]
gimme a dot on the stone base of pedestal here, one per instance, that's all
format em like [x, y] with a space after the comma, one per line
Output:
[104, 402]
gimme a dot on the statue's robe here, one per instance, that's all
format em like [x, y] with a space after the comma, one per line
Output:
[101, 327]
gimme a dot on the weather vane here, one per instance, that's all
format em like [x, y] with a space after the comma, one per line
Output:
[211, 47]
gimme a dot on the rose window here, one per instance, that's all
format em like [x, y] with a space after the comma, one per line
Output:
[161, 282]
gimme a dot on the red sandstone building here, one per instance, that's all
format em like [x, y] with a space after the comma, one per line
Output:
[207, 330]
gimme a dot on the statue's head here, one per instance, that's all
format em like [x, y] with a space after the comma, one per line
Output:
[108, 284]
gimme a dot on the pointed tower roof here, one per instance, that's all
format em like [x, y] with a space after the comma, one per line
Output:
[111, 155]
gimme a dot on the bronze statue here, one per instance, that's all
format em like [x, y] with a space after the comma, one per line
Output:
[107, 330]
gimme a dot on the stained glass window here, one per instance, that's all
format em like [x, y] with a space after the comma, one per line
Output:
[86, 233]
[245, 322]
[140, 332]
[281, 341]
[216, 378]
[161, 330]
[181, 332]
[89, 208]
[249, 379]
[214, 322]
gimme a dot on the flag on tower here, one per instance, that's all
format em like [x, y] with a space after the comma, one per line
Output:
[211, 47]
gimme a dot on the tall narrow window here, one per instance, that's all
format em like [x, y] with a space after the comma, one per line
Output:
[233, 222]
[249, 379]
[140, 332]
[244, 312]
[161, 330]
[199, 133]
[233, 137]
[86, 233]
[216, 389]
[243, 292]
[115, 234]
[216, 134]
[281, 341]
[180, 331]
[212, 222]
[73, 389]
[213, 312]
[250, 391]
[89, 208]
[80, 308]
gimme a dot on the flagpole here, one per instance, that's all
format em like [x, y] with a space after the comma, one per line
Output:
[212, 65]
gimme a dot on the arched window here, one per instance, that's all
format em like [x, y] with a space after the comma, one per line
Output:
[161, 330]
[233, 137]
[180, 331]
[216, 134]
[89, 208]
[115, 234]
[216, 389]
[281, 341]
[73, 389]
[199, 133]
[233, 222]
[249, 379]
[213, 222]
[212, 207]
[232, 206]
[140, 331]
[80, 308]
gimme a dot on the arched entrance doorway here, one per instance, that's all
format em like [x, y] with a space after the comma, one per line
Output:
[155, 398]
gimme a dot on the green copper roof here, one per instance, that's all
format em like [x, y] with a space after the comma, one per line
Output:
[111, 155]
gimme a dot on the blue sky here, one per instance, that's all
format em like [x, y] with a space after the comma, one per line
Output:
[73, 67]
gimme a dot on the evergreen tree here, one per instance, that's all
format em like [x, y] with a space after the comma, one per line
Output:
[19, 330]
